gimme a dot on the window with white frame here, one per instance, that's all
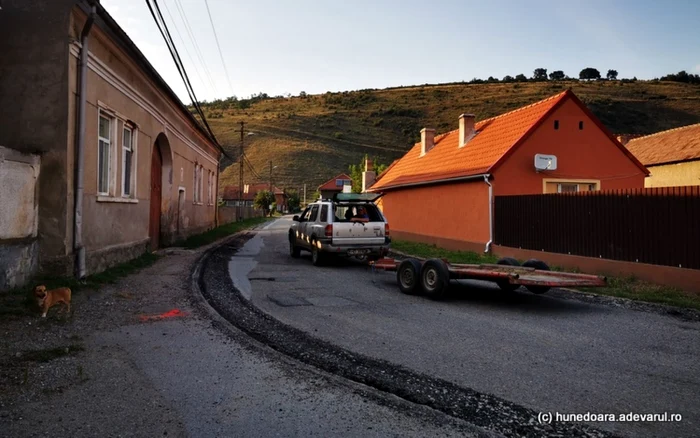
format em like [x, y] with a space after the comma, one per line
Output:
[209, 180]
[201, 184]
[195, 189]
[127, 161]
[104, 153]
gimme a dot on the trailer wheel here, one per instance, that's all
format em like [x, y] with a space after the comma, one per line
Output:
[541, 266]
[435, 279]
[504, 284]
[408, 277]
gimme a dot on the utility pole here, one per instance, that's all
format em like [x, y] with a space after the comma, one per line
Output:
[304, 195]
[271, 177]
[240, 175]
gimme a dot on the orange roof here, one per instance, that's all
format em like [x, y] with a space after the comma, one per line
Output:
[330, 184]
[495, 138]
[674, 145]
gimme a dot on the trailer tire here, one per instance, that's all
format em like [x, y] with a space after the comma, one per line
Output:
[541, 266]
[435, 279]
[408, 277]
[504, 284]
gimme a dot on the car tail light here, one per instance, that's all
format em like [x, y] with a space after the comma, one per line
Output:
[387, 231]
[329, 230]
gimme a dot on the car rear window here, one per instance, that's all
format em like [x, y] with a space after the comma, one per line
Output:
[324, 213]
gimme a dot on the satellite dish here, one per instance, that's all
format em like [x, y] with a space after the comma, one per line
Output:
[545, 162]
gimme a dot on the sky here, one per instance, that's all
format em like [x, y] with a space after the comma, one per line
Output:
[283, 46]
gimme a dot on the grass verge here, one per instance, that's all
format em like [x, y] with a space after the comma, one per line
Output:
[220, 232]
[622, 287]
[432, 251]
[19, 301]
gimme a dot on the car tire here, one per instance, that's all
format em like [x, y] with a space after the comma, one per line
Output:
[317, 257]
[435, 279]
[294, 250]
[408, 277]
[504, 284]
[540, 266]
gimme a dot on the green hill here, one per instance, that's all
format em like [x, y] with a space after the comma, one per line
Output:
[312, 138]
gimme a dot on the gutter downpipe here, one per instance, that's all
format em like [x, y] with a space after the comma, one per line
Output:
[78, 247]
[488, 244]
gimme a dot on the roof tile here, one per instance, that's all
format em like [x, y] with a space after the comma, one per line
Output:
[679, 144]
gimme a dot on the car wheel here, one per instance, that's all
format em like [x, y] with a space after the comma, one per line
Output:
[435, 279]
[408, 277]
[316, 255]
[540, 266]
[294, 250]
[504, 284]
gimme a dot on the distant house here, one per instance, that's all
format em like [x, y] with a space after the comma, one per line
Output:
[334, 185]
[231, 196]
[149, 169]
[672, 157]
[442, 190]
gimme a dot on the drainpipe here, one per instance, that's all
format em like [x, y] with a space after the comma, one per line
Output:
[78, 248]
[488, 244]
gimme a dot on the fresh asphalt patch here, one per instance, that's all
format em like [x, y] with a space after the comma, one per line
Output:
[480, 409]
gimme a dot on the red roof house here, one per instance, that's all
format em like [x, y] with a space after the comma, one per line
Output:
[334, 185]
[442, 190]
[231, 195]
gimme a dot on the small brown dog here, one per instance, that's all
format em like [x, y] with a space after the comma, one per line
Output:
[49, 298]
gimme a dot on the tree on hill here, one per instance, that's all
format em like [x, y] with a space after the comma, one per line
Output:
[508, 78]
[612, 75]
[589, 73]
[491, 79]
[557, 75]
[357, 169]
[264, 200]
[682, 76]
[540, 74]
[521, 78]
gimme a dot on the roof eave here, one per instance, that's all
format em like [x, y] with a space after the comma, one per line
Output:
[479, 176]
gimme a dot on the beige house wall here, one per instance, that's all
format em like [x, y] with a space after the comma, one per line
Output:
[118, 88]
[673, 175]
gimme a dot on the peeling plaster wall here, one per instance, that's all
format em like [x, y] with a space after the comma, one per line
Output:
[19, 173]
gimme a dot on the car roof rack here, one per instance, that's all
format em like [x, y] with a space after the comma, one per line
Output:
[356, 197]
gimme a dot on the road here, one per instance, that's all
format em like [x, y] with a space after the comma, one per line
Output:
[540, 352]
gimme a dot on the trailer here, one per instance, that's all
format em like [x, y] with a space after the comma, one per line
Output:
[432, 277]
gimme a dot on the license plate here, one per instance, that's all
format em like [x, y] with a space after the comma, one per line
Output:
[358, 251]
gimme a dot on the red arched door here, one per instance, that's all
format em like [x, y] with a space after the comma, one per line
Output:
[156, 195]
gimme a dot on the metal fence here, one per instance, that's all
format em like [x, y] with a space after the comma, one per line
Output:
[659, 226]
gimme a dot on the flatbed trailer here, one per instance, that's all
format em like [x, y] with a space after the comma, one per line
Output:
[432, 277]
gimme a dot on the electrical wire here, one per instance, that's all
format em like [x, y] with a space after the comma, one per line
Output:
[182, 40]
[198, 51]
[216, 38]
[163, 28]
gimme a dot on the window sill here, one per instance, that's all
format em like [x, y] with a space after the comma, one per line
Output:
[102, 198]
[197, 203]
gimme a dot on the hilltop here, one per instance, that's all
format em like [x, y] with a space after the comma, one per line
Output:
[311, 138]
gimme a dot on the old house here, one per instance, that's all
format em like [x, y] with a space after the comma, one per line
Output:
[442, 190]
[334, 185]
[672, 157]
[125, 167]
[232, 197]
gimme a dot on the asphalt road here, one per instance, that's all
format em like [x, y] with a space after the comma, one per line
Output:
[538, 351]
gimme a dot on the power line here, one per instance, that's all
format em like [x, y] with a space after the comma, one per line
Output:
[219, 47]
[197, 50]
[163, 28]
[182, 40]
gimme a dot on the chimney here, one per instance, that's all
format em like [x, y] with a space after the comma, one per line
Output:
[624, 139]
[427, 140]
[466, 129]
[368, 176]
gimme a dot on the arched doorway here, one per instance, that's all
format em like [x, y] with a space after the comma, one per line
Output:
[161, 182]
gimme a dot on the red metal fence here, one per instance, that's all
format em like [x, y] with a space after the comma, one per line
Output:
[659, 226]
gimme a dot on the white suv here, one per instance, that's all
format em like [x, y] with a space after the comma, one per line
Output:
[349, 225]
